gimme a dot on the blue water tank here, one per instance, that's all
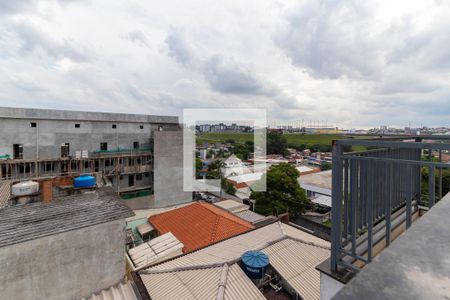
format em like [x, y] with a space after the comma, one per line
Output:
[84, 181]
[255, 264]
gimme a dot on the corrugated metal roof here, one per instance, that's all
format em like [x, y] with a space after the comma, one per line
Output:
[155, 250]
[5, 193]
[37, 220]
[250, 216]
[232, 206]
[202, 283]
[296, 262]
[123, 291]
[292, 252]
[144, 228]
[233, 248]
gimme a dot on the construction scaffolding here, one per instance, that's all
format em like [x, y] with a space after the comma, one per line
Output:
[109, 164]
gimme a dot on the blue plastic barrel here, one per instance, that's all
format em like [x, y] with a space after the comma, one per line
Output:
[255, 264]
[84, 181]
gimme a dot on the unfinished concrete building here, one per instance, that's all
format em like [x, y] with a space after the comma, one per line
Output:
[37, 144]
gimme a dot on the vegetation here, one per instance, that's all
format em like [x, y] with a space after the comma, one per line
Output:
[424, 184]
[228, 187]
[243, 151]
[283, 192]
[315, 142]
[276, 143]
[325, 166]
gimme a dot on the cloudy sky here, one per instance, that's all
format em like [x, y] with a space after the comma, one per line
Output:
[351, 63]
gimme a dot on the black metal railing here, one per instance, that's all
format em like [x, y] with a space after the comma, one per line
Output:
[376, 191]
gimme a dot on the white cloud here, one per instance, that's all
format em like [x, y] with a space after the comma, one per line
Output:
[350, 63]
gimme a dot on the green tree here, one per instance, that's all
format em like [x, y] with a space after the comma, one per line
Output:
[198, 166]
[325, 166]
[276, 143]
[283, 192]
[228, 187]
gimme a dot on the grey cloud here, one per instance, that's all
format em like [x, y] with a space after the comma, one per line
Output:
[179, 48]
[15, 6]
[331, 39]
[223, 74]
[405, 85]
[138, 37]
[34, 39]
[230, 77]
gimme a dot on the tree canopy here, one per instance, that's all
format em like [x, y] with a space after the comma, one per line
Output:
[283, 194]
[276, 143]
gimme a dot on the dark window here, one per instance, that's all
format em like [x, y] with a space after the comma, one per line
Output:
[138, 177]
[104, 146]
[65, 152]
[33, 124]
[77, 125]
[130, 180]
[141, 126]
[86, 164]
[131, 162]
[135, 145]
[49, 167]
[147, 174]
[73, 165]
[107, 163]
[114, 126]
[18, 151]
[24, 169]
[138, 161]
[96, 166]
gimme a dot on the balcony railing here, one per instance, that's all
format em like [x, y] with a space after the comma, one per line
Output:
[377, 191]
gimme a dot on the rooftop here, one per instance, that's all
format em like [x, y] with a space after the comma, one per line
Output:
[201, 283]
[53, 114]
[415, 266]
[155, 250]
[319, 182]
[35, 220]
[293, 253]
[231, 205]
[250, 216]
[199, 224]
[248, 177]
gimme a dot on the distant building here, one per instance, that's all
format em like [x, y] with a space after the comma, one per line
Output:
[67, 249]
[233, 166]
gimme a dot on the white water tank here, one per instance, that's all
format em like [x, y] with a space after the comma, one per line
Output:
[25, 188]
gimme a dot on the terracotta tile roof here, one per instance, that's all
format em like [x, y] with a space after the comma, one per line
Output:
[199, 225]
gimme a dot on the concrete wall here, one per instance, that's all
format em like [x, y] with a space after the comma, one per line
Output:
[55, 127]
[45, 140]
[70, 265]
[168, 167]
[329, 286]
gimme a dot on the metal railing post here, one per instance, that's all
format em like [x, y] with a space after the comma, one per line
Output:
[336, 195]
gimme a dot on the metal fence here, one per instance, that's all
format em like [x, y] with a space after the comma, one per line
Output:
[377, 190]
